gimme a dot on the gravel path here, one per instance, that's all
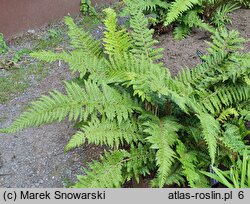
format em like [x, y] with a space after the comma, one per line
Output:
[35, 158]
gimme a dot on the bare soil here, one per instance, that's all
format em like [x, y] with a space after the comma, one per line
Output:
[179, 54]
[35, 157]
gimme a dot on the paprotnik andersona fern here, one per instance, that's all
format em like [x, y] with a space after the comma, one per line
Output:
[153, 123]
[186, 14]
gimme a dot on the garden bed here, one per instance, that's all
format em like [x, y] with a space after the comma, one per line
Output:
[35, 157]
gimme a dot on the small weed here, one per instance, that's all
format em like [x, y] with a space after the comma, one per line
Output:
[53, 33]
[19, 55]
[3, 46]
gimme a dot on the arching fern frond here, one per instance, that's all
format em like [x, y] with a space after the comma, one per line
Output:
[78, 104]
[139, 73]
[115, 41]
[189, 163]
[232, 139]
[106, 133]
[78, 62]
[141, 162]
[143, 38]
[82, 40]
[181, 31]
[211, 130]
[162, 137]
[104, 174]
[225, 114]
[177, 8]
[174, 177]
[224, 97]
[143, 5]
[224, 40]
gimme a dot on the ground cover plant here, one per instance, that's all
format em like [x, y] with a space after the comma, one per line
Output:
[169, 128]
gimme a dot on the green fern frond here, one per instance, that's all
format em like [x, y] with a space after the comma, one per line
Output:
[224, 40]
[211, 130]
[189, 163]
[104, 132]
[143, 38]
[81, 40]
[77, 140]
[141, 162]
[232, 139]
[143, 5]
[78, 62]
[139, 73]
[104, 174]
[181, 31]
[174, 177]
[225, 114]
[220, 17]
[245, 113]
[162, 137]
[78, 104]
[115, 41]
[224, 97]
[192, 19]
[203, 74]
[177, 8]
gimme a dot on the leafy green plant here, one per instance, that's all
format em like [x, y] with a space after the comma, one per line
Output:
[186, 14]
[237, 177]
[86, 8]
[153, 123]
[3, 46]
[19, 55]
[53, 33]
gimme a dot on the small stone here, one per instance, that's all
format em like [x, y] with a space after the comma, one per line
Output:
[31, 31]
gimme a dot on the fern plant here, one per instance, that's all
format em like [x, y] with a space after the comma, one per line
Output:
[153, 123]
[186, 14]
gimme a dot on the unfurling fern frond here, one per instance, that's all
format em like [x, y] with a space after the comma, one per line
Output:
[162, 137]
[106, 133]
[81, 40]
[115, 41]
[78, 104]
[177, 8]
[211, 131]
[143, 38]
[104, 174]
